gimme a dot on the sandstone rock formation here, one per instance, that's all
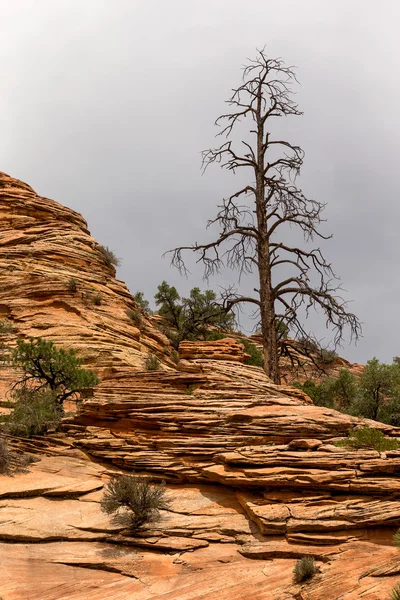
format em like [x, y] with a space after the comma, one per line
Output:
[254, 478]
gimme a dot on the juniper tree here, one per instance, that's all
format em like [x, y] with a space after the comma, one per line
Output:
[46, 367]
[252, 220]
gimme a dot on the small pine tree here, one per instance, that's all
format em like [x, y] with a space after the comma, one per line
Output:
[142, 302]
[45, 366]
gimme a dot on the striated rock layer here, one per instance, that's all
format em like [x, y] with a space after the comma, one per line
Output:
[253, 476]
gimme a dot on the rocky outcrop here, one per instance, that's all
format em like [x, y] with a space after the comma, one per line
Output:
[225, 349]
[254, 478]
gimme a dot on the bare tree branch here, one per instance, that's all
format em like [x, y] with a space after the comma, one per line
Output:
[251, 233]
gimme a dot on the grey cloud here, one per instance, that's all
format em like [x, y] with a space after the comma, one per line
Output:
[105, 106]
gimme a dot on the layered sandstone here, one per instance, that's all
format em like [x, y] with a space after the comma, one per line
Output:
[250, 467]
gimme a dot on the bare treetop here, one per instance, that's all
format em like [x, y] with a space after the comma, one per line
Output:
[250, 220]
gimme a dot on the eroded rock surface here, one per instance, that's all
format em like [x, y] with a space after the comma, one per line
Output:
[254, 478]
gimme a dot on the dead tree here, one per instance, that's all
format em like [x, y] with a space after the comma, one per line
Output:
[252, 221]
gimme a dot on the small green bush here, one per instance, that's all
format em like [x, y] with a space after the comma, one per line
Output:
[133, 500]
[97, 299]
[396, 539]
[5, 326]
[304, 569]
[213, 336]
[256, 357]
[152, 363]
[308, 345]
[327, 357]
[135, 316]
[395, 592]
[282, 330]
[175, 356]
[109, 257]
[4, 456]
[35, 412]
[72, 284]
[367, 437]
[190, 389]
[312, 389]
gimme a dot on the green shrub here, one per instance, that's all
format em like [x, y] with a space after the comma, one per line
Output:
[97, 299]
[35, 412]
[135, 316]
[304, 569]
[109, 257]
[395, 592]
[44, 366]
[4, 455]
[134, 500]
[214, 336]
[314, 391]
[334, 392]
[152, 363]
[191, 318]
[308, 345]
[327, 357]
[282, 330]
[5, 326]
[72, 284]
[190, 389]
[256, 357]
[396, 539]
[175, 356]
[367, 437]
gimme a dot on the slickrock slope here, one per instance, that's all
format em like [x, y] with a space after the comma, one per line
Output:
[254, 479]
[43, 246]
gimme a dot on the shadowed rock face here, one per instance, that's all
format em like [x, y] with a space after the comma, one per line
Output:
[249, 465]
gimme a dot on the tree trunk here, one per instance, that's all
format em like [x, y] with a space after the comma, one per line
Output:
[267, 308]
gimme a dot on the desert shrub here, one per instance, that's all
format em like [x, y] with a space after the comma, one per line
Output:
[4, 455]
[135, 316]
[133, 500]
[5, 326]
[142, 302]
[35, 412]
[304, 569]
[326, 356]
[282, 330]
[395, 592]
[339, 392]
[175, 356]
[72, 284]
[308, 345]
[214, 336]
[45, 366]
[368, 437]
[97, 299]
[315, 392]
[256, 357]
[190, 389]
[109, 257]
[192, 317]
[152, 363]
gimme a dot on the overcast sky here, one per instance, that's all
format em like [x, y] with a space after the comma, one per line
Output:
[105, 106]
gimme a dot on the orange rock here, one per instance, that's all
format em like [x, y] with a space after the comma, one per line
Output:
[251, 468]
